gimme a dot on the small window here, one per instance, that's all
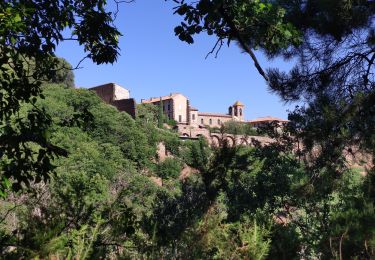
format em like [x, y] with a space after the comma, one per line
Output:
[169, 107]
[210, 121]
[202, 122]
[193, 116]
[218, 122]
[240, 111]
[180, 118]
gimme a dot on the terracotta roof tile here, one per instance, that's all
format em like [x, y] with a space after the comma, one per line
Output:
[267, 119]
[157, 99]
[213, 114]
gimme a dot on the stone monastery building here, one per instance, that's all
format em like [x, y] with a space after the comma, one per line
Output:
[177, 107]
[117, 96]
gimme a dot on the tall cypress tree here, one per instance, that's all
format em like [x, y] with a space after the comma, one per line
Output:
[161, 114]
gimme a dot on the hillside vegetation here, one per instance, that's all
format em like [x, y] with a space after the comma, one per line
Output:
[80, 180]
[244, 203]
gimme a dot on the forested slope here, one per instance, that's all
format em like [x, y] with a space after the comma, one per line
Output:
[245, 202]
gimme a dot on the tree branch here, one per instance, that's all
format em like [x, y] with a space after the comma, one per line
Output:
[242, 42]
[219, 43]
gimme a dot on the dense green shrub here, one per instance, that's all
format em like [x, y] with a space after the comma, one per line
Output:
[169, 168]
[236, 128]
[103, 200]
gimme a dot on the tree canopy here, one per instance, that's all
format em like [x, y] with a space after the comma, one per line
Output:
[113, 196]
[29, 34]
[332, 46]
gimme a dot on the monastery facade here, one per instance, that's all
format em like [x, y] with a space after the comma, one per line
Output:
[177, 107]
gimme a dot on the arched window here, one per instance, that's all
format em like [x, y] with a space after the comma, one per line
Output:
[240, 111]
[193, 116]
[218, 122]
[202, 122]
[210, 121]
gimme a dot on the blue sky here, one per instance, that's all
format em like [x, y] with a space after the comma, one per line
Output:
[154, 62]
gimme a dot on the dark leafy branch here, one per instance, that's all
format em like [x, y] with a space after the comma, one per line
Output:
[29, 33]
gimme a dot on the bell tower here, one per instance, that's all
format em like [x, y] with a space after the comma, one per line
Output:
[238, 111]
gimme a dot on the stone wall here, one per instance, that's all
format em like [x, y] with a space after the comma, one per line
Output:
[117, 96]
[120, 93]
[175, 106]
[194, 118]
[213, 120]
[110, 92]
[180, 108]
[126, 105]
[217, 139]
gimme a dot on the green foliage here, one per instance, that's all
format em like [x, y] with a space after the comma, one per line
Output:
[351, 231]
[169, 168]
[237, 128]
[77, 245]
[103, 123]
[263, 25]
[160, 114]
[278, 201]
[333, 18]
[214, 238]
[196, 154]
[63, 74]
[154, 114]
[101, 202]
[333, 76]
[29, 34]
[254, 24]
[285, 242]
[147, 113]
[175, 210]
[88, 183]
[254, 238]
[171, 141]
[251, 179]
[332, 45]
